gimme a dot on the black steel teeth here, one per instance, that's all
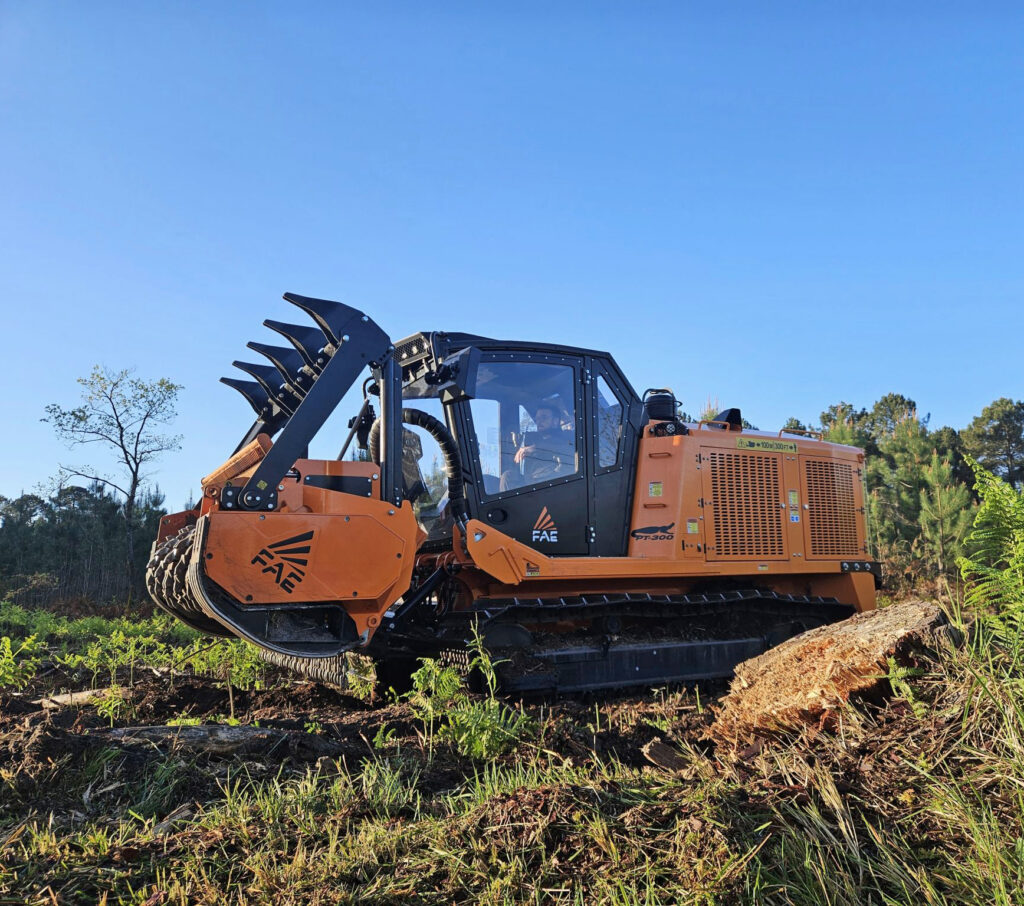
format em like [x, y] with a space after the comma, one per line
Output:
[282, 388]
[255, 395]
[310, 342]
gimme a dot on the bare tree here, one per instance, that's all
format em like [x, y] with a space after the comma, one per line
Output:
[121, 413]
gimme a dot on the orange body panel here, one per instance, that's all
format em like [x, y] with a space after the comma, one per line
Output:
[785, 513]
[173, 523]
[318, 546]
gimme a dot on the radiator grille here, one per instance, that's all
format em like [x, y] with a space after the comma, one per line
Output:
[832, 513]
[747, 510]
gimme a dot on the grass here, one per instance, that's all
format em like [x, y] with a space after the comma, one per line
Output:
[919, 801]
[453, 797]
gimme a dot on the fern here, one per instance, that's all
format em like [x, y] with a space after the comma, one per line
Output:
[480, 728]
[994, 570]
[18, 665]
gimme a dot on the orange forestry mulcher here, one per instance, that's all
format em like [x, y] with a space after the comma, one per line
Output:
[525, 489]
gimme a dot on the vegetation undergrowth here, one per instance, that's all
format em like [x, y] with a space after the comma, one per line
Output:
[481, 727]
[452, 795]
[104, 648]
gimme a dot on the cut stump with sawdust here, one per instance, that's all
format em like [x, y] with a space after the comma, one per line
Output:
[807, 679]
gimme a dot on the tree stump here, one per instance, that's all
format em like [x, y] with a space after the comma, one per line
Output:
[807, 679]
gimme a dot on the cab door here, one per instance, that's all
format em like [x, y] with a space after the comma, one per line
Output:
[530, 467]
[613, 422]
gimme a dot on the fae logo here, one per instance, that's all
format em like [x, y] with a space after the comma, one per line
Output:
[544, 529]
[654, 533]
[276, 557]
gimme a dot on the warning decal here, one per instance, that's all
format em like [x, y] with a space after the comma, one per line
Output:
[765, 443]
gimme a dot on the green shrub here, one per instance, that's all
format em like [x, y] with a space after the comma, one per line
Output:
[18, 665]
[478, 727]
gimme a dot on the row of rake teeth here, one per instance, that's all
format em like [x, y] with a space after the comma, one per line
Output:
[293, 370]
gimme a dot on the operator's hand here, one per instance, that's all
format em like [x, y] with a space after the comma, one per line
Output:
[523, 452]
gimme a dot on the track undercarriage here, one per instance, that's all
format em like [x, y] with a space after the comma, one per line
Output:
[580, 643]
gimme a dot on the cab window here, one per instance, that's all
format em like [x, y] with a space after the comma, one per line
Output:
[609, 424]
[524, 419]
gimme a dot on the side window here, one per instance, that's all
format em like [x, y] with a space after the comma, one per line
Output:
[487, 425]
[524, 417]
[609, 424]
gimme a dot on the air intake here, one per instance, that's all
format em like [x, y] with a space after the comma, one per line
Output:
[746, 511]
[832, 509]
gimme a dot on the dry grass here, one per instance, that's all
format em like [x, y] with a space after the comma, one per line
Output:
[915, 799]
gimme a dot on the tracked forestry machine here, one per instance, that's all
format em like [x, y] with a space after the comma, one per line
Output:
[521, 490]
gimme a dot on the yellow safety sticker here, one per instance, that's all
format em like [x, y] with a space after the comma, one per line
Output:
[794, 499]
[692, 527]
[532, 569]
[654, 489]
[764, 443]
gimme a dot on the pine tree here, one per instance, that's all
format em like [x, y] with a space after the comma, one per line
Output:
[996, 440]
[946, 513]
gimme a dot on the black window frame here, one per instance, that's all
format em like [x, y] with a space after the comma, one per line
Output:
[583, 446]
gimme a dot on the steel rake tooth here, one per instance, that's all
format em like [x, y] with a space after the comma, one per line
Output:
[333, 318]
[254, 393]
[269, 379]
[309, 341]
[289, 363]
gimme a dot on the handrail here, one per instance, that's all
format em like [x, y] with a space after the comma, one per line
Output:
[807, 432]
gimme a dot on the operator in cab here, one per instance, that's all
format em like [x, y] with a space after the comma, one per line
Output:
[544, 454]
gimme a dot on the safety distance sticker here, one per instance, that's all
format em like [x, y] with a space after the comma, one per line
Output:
[765, 443]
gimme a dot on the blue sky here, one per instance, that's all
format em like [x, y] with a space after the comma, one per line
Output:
[778, 205]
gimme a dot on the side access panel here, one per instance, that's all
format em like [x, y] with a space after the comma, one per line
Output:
[833, 503]
[744, 506]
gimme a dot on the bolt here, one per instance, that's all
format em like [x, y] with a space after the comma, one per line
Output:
[262, 516]
[391, 512]
[280, 487]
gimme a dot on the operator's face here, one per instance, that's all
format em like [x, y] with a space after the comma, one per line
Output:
[545, 419]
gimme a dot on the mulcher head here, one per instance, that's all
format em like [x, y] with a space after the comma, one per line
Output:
[238, 565]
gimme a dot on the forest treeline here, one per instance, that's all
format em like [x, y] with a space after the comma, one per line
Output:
[920, 486]
[70, 544]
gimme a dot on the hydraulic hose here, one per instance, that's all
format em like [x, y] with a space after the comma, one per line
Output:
[439, 431]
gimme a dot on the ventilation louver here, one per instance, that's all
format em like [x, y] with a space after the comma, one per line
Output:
[746, 508]
[832, 509]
